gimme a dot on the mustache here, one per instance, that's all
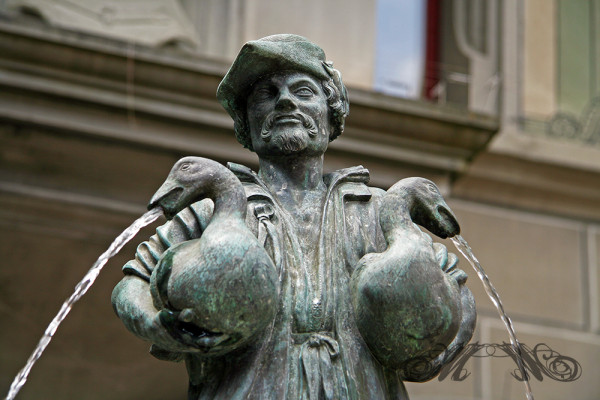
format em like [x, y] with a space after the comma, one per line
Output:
[307, 122]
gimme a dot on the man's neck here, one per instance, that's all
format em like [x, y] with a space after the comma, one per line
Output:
[292, 178]
[297, 184]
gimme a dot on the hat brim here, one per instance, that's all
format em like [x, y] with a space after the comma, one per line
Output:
[264, 57]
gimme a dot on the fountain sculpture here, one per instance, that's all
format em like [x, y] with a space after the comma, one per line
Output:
[290, 283]
[352, 298]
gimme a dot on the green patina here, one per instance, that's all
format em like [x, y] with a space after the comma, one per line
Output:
[290, 283]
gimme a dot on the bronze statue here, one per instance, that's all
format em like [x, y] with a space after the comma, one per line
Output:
[290, 283]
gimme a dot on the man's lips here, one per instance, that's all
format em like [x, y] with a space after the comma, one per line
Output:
[282, 119]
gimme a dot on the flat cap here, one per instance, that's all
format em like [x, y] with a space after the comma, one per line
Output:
[265, 56]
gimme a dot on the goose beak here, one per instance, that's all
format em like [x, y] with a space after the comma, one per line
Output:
[167, 198]
[449, 226]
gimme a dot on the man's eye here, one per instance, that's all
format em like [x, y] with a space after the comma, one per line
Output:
[262, 93]
[304, 92]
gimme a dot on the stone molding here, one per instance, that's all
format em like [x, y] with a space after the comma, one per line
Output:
[514, 182]
[69, 70]
[148, 22]
[97, 89]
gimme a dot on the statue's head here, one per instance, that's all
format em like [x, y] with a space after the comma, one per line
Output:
[282, 81]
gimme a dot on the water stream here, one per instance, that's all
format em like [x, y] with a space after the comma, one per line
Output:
[149, 217]
[462, 246]
[81, 288]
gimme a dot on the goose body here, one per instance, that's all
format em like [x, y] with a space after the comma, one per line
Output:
[216, 292]
[403, 290]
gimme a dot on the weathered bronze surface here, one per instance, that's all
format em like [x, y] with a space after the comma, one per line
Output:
[290, 283]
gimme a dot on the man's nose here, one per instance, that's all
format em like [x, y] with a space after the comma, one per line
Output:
[285, 101]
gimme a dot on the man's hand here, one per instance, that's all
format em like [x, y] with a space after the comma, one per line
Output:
[161, 336]
[187, 334]
[448, 263]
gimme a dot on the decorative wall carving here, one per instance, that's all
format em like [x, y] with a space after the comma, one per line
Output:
[584, 128]
[148, 22]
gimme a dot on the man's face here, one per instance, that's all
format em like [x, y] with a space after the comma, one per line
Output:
[288, 114]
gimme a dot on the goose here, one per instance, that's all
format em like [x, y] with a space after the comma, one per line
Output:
[402, 291]
[420, 199]
[216, 292]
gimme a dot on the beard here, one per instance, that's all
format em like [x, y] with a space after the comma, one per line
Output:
[289, 140]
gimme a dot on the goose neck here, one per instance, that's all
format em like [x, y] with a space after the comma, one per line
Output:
[395, 211]
[228, 196]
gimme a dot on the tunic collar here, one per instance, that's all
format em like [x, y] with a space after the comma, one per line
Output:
[256, 189]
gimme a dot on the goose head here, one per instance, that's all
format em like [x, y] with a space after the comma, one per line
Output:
[185, 184]
[427, 206]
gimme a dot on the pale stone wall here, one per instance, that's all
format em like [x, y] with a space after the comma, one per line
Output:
[539, 64]
[538, 239]
[546, 271]
[550, 101]
[80, 153]
[534, 261]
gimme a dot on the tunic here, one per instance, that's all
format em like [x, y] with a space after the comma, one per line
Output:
[312, 349]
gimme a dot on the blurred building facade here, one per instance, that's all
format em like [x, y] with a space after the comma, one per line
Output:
[496, 101]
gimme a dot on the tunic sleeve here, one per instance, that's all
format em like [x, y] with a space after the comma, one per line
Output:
[186, 225]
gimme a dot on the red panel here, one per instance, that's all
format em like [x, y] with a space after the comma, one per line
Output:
[432, 49]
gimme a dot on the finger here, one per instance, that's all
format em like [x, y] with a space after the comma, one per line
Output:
[459, 276]
[167, 317]
[211, 341]
[441, 255]
[452, 262]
